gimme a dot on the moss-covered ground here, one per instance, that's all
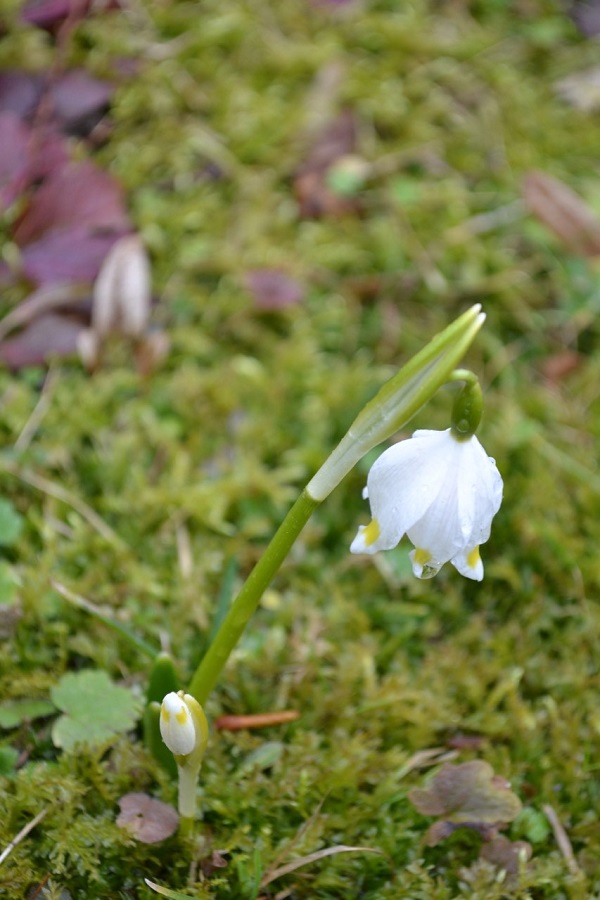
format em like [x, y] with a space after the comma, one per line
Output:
[192, 468]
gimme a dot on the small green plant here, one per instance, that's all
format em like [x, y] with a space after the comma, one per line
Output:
[441, 488]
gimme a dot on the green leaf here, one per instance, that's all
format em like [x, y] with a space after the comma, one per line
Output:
[14, 713]
[167, 892]
[262, 758]
[11, 524]
[95, 709]
[9, 582]
[153, 739]
[8, 760]
[163, 678]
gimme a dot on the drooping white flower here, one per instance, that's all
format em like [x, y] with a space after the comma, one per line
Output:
[443, 492]
[177, 724]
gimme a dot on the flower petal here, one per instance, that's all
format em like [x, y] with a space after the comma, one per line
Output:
[422, 563]
[442, 491]
[468, 563]
[402, 484]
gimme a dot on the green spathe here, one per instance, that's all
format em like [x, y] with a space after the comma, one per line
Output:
[398, 400]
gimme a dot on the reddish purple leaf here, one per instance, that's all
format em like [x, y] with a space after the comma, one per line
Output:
[79, 194]
[273, 289]
[14, 146]
[25, 157]
[20, 92]
[147, 819]
[51, 13]
[48, 336]
[72, 255]
[47, 154]
[587, 17]
[80, 100]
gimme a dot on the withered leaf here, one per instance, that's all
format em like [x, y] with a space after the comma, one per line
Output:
[563, 212]
[468, 794]
[79, 194]
[272, 289]
[50, 14]
[315, 195]
[506, 854]
[582, 89]
[74, 255]
[147, 819]
[20, 92]
[48, 336]
[558, 365]
[213, 862]
[80, 100]
[587, 17]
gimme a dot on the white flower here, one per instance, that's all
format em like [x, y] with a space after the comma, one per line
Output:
[177, 724]
[440, 490]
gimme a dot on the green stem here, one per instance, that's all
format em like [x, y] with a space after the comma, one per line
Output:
[248, 599]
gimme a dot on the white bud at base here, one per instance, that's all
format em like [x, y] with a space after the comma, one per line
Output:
[177, 725]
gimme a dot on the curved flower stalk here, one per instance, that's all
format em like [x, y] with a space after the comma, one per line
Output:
[184, 730]
[388, 411]
[442, 490]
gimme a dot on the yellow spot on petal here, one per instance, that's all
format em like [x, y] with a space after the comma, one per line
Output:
[422, 557]
[182, 716]
[165, 714]
[473, 558]
[371, 532]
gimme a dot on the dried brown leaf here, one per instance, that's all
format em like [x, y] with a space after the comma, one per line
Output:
[256, 720]
[273, 289]
[315, 196]
[506, 854]
[581, 89]
[557, 366]
[147, 819]
[48, 336]
[563, 212]
[468, 794]
[79, 194]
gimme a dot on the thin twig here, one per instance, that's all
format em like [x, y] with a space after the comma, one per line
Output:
[562, 839]
[51, 489]
[23, 834]
[39, 411]
[87, 606]
[313, 857]
[256, 720]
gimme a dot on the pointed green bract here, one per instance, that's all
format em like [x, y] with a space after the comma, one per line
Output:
[398, 400]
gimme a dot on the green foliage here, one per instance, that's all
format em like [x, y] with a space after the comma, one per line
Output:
[95, 710]
[13, 714]
[11, 524]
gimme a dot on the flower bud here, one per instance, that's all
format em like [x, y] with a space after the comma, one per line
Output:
[177, 724]
[122, 292]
